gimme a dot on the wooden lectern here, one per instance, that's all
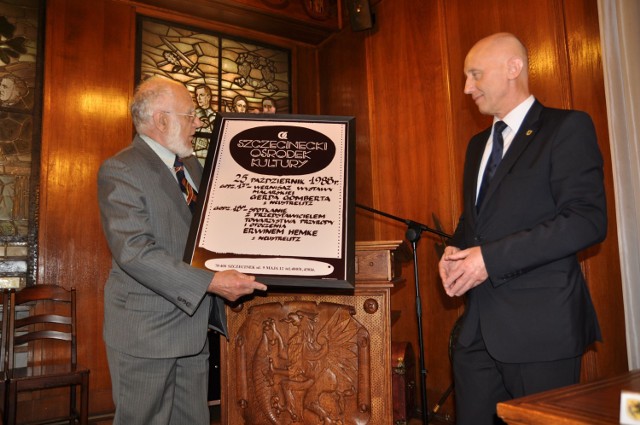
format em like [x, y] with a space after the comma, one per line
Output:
[300, 356]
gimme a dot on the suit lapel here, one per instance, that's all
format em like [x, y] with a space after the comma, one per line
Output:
[165, 176]
[477, 147]
[528, 130]
[194, 169]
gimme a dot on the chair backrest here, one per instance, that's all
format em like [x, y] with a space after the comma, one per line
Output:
[50, 315]
[5, 326]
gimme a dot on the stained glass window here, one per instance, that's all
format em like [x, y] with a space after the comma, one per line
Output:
[222, 73]
[20, 76]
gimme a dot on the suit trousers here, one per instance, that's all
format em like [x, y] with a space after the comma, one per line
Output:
[481, 382]
[164, 391]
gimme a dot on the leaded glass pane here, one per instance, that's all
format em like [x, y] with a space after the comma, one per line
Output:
[19, 142]
[222, 73]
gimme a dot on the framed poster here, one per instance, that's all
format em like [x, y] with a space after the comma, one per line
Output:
[277, 200]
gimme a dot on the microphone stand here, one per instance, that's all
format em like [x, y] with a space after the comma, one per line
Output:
[413, 233]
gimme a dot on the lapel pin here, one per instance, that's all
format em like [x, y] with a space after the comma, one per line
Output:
[529, 132]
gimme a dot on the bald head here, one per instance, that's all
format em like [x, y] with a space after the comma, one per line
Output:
[501, 46]
[497, 76]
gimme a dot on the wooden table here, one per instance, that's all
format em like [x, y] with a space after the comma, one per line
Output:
[591, 403]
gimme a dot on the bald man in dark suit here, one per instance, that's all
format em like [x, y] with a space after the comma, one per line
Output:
[529, 315]
[158, 308]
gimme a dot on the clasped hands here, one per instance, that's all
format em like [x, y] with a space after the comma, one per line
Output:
[461, 270]
[232, 284]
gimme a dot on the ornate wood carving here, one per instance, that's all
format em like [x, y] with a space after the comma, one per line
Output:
[310, 357]
[302, 359]
[307, 21]
[319, 9]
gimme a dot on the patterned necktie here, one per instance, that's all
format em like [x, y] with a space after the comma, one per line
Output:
[186, 188]
[494, 160]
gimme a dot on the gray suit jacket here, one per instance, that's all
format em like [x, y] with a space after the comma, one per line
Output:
[156, 306]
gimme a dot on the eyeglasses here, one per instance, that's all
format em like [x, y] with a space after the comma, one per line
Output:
[192, 116]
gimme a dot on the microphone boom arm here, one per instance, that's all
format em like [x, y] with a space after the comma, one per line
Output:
[412, 224]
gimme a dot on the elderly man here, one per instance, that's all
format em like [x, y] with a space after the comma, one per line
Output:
[157, 308]
[533, 198]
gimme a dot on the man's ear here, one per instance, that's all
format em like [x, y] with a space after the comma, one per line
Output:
[160, 121]
[514, 67]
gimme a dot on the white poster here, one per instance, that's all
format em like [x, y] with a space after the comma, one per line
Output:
[278, 199]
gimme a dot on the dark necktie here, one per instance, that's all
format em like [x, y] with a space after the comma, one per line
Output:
[186, 188]
[494, 160]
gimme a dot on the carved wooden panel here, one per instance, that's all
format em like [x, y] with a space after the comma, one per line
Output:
[309, 358]
[305, 21]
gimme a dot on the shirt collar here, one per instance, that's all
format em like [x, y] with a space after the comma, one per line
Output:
[515, 118]
[165, 154]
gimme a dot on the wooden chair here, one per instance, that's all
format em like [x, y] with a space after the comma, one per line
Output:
[3, 334]
[48, 331]
[3, 345]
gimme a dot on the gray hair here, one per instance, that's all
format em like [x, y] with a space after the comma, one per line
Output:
[146, 99]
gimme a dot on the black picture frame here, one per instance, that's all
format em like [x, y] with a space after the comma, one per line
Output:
[277, 200]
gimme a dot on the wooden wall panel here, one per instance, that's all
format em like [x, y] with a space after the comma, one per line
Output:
[88, 78]
[601, 263]
[343, 91]
[411, 165]
[305, 96]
